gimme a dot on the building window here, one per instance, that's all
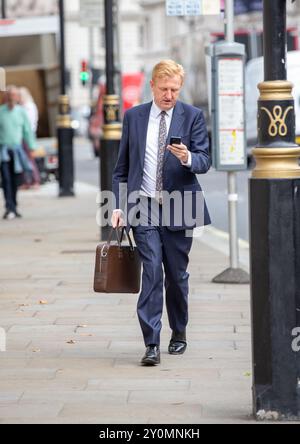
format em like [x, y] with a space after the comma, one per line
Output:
[147, 33]
[142, 39]
[102, 37]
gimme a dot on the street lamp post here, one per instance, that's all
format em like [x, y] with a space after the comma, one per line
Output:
[275, 233]
[112, 128]
[3, 9]
[64, 127]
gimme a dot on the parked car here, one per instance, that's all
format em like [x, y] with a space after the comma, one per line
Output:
[46, 157]
[96, 121]
[80, 121]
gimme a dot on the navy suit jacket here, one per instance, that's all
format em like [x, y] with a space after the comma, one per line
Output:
[188, 123]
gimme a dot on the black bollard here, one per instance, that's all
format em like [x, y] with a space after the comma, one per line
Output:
[275, 233]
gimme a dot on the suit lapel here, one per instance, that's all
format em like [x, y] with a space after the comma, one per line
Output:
[176, 124]
[143, 122]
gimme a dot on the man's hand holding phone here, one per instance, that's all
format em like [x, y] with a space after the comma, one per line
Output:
[178, 149]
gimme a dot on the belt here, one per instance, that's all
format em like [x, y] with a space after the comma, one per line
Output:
[158, 198]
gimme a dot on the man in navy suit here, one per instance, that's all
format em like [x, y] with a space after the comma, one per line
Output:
[150, 169]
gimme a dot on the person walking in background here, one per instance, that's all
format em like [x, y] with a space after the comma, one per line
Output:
[150, 166]
[27, 102]
[14, 130]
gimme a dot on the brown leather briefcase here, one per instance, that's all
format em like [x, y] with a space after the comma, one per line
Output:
[118, 267]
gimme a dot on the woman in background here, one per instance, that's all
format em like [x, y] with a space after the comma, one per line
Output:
[27, 102]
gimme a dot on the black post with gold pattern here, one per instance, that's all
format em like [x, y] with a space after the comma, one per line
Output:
[65, 131]
[275, 233]
[112, 128]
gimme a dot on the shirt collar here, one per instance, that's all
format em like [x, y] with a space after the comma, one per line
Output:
[156, 111]
[10, 109]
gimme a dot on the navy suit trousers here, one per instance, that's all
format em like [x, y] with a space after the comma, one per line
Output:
[165, 258]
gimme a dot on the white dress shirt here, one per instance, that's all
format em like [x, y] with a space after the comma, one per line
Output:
[151, 156]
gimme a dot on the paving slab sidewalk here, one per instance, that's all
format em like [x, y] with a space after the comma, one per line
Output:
[73, 356]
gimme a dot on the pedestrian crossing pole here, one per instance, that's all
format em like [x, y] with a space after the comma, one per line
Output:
[234, 274]
[275, 233]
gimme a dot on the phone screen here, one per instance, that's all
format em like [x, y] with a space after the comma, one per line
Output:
[175, 141]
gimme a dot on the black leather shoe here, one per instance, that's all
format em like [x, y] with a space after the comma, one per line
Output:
[152, 356]
[178, 343]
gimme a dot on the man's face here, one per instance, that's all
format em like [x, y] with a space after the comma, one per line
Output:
[13, 97]
[166, 91]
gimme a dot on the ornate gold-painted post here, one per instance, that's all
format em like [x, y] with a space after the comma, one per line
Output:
[112, 128]
[275, 233]
[64, 128]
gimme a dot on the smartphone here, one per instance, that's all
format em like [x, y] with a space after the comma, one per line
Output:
[175, 141]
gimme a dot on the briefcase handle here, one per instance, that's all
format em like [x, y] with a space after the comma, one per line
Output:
[120, 237]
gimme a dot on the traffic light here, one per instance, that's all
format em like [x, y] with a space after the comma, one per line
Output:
[84, 73]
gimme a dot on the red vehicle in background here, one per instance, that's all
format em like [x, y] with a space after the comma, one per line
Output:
[132, 87]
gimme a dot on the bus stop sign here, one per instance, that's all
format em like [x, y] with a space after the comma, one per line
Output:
[228, 106]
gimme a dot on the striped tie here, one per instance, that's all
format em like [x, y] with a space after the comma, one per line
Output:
[162, 140]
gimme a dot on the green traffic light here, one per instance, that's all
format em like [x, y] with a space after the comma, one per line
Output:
[84, 76]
